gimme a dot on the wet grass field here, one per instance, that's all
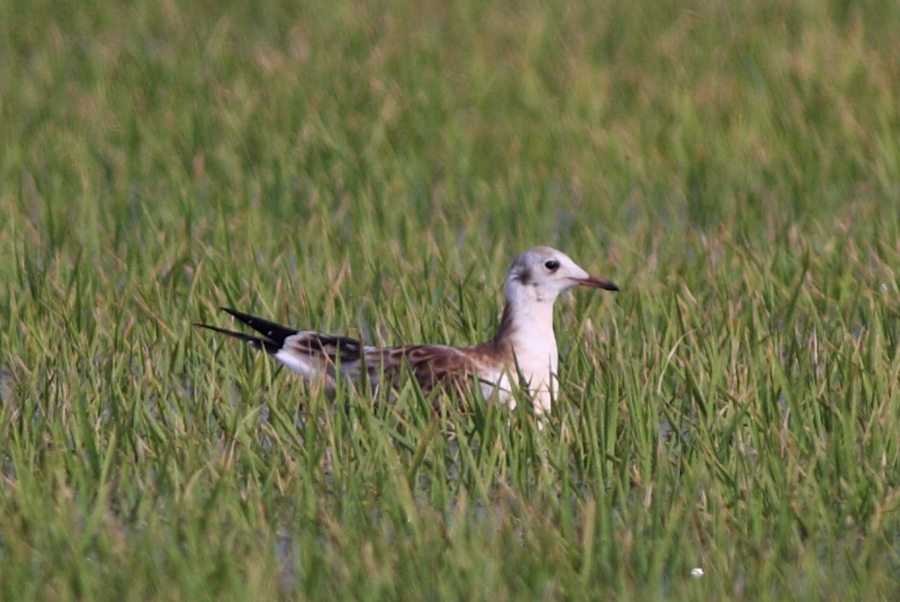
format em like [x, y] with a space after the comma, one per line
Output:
[372, 168]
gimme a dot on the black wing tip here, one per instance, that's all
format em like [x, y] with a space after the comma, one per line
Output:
[270, 331]
[256, 342]
[215, 328]
[238, 314]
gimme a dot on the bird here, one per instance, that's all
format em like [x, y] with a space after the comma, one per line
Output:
[522, 353]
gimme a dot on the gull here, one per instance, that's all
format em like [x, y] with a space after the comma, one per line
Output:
[523, 351]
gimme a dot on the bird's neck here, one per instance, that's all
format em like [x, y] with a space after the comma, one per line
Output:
[526, 334]
[526, 346]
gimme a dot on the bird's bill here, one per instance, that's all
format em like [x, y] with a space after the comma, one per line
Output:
[592, 282]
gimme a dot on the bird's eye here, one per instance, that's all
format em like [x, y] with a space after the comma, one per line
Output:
[551, 264]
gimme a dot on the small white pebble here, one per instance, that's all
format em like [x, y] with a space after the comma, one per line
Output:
[883, 288]
[696, 572]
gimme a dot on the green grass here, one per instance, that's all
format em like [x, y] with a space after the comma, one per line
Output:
[372, 168]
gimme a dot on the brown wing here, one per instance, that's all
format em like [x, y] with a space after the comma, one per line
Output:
[430, 365]
[330, 347]
[314, 355]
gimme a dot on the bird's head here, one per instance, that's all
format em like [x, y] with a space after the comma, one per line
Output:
[541, 274]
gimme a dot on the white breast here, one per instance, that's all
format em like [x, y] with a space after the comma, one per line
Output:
[537, 357]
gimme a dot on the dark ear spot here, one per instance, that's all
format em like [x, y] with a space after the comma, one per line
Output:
[524, 276]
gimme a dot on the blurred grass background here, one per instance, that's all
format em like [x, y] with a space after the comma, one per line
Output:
[372, 168]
